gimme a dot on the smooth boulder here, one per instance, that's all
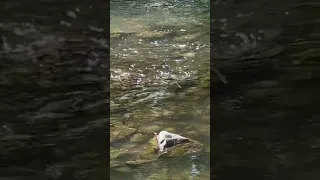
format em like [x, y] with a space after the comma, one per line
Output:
[174, 144]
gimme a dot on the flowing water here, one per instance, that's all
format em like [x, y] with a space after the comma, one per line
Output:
[159, 81]
[266, 119]
[53, 89]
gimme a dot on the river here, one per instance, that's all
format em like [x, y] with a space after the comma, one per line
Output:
[54, 90]
[266, 119]
[159, 81]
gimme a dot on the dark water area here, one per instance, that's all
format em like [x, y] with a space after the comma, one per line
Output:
[54, 90]
[265, 94]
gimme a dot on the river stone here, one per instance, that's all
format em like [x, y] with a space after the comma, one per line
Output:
[166, 140]
[171, 129]
[150, 129]
[139, 162]
[119, 131]
[138, 137]
[115, 153]
[123, 169]
[128, 145]
[166, 144]
[148, 150]
[170, 144]
[115, 163]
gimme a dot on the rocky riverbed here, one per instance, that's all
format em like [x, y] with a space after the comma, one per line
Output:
[160, 80]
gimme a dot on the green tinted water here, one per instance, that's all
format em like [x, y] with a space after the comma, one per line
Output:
[159, 80]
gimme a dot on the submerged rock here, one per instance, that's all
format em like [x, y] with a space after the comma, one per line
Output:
[123, 169]
[170, 144]
[138, 137]
[115, 163]
[119, 131]
[138, 162]
[166, 144]
[115, 153]
[150, 128]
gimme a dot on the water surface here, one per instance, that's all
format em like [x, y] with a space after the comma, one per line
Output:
[266, 119]
[53, 90]
[159, 80]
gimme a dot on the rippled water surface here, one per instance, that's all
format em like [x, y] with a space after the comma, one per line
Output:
[266, 117]
[159, 81]
[53, 92]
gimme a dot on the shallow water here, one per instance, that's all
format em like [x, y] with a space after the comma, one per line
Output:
[266, 119]
[159, 80]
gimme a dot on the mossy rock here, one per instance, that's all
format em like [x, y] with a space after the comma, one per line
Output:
[190, 148]
[116, 153]
[115, 163]
[138, 137]
[119, 131]
[149, 149]
[150, 154]
[139, 162]
[171, 129]
[150, 128]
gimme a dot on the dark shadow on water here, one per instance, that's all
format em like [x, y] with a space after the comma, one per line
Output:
[54, 91]
[266, 119]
